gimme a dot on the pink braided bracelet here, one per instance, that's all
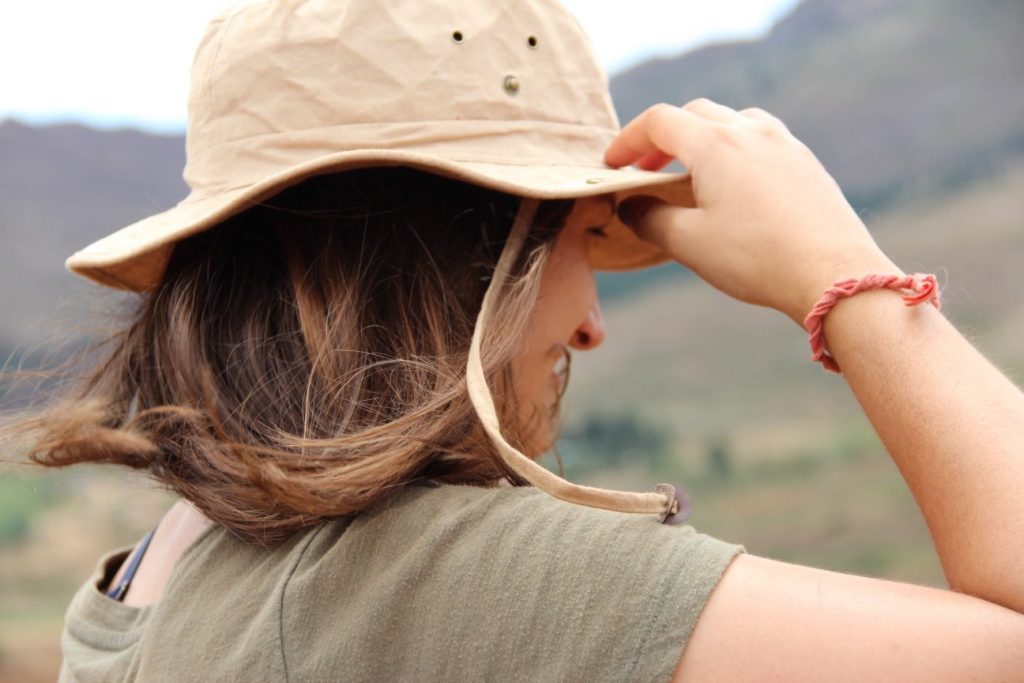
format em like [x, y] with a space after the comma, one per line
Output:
[916, 289]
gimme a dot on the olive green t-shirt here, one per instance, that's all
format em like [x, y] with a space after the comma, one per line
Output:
[446, 583]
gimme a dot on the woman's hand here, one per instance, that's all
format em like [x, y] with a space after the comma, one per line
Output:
[771, 226]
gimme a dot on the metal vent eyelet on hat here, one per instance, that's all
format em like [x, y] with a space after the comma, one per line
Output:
[532, 42]
[457, 36]
[511, 84]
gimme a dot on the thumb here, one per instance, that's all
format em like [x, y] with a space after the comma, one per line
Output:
[666, 225]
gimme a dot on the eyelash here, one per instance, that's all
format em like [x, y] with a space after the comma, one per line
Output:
[597, 232]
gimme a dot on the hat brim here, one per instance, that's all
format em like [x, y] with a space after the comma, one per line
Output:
[134, 257]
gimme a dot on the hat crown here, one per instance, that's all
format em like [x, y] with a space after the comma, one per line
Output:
[288, 66]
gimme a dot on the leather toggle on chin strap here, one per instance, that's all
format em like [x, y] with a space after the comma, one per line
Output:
[668, 502]
[680, 507]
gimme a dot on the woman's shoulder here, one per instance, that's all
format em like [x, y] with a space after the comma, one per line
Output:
[524, 522]
[506, 540]
[467, 510]
[552, 587]
[521, 529]
[435, 519]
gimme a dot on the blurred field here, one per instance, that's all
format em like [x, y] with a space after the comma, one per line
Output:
[71, 518]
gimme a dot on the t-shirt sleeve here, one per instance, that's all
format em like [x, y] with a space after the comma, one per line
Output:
[462, 583]
[605, 595]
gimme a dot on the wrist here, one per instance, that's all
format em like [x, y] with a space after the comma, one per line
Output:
[915, 289]
[820, 280]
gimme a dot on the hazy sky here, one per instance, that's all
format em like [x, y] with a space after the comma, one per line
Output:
[117, 62]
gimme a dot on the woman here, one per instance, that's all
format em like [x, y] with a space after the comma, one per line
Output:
[340, 369]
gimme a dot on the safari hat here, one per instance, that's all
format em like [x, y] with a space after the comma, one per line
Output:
[505, 94]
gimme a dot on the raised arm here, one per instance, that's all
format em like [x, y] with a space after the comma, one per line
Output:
[771, 227]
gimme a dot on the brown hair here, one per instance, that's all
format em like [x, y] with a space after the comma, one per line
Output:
[306, 358]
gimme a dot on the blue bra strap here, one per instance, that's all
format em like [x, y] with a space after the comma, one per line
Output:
[118, 591]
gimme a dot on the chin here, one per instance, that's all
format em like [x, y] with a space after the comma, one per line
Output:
[541, 425]
[541, 440]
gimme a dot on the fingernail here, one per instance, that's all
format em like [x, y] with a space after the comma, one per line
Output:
[631, 210]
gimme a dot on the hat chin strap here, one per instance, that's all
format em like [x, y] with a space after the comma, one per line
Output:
[671, 504]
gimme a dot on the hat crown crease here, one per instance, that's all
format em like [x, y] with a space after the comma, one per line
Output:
[376, 64]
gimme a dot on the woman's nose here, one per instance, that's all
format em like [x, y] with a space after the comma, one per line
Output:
[590, 333]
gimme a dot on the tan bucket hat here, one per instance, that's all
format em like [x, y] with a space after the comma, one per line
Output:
[501, 93]
[504, 94]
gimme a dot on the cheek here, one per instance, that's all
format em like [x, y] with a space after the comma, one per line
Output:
[565, 298]
[542, 328]
[567, 290]
[571, 293]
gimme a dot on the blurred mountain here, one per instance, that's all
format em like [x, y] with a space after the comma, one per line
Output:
[897, 97]
[893, 96]
[60, 188]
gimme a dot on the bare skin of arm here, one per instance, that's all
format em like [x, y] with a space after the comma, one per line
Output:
[952, 423]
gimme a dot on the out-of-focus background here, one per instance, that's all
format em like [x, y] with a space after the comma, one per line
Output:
[916, 107]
